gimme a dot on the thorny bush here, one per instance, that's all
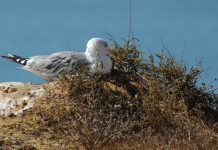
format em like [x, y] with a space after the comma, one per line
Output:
[156, 94]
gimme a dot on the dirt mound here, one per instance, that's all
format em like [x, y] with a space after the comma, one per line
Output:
[142, 104]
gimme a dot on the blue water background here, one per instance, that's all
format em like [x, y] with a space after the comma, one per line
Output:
[188, 28]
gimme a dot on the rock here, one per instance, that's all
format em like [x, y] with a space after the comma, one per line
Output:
[16, 97]
[10, 90]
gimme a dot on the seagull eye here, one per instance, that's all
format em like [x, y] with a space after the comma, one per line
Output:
[105, 44]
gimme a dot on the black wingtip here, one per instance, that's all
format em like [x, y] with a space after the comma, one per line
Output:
[15, 58]
[3, 56]
[8, 55]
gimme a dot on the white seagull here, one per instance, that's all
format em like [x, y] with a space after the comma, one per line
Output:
[96, 58]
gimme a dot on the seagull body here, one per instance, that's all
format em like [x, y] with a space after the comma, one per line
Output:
[96, 58]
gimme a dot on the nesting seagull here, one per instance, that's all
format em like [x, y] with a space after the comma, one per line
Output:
[96, 58]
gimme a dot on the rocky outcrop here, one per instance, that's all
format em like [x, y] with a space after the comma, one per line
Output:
[16, 97]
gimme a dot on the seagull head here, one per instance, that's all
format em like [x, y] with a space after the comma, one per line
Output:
[97, 52]
[97, 46]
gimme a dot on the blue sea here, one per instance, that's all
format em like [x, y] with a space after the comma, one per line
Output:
[187, 28]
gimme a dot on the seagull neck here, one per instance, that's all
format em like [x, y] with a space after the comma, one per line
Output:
[89, 56]
[96, 57]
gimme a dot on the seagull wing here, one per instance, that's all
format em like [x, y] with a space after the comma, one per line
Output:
[49, 66]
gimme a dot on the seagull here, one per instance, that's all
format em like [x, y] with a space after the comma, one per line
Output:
[96, 58]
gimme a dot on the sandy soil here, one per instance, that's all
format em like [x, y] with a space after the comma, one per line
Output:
[15, 99]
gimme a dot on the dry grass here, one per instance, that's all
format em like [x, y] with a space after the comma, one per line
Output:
[142, 104]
